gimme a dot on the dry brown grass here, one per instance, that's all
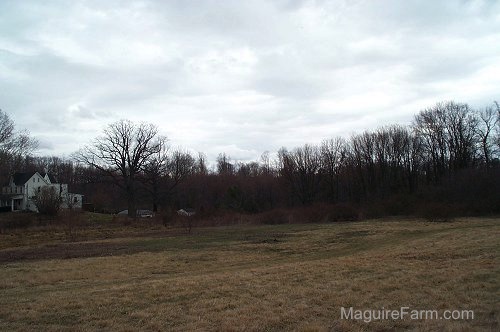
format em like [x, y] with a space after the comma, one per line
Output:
[283, 277]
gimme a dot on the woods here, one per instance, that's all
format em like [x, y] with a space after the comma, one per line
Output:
[449, 155]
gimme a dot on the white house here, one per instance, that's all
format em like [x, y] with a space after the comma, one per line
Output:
[23, 187]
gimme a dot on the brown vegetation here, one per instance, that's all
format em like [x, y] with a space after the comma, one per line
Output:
[448, 157]
[279, 277]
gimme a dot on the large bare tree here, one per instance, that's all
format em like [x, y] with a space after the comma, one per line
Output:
[122, 153]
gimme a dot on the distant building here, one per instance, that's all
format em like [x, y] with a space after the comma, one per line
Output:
[22, 189]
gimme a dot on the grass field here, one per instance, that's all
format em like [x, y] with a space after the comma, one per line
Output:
[282, 277]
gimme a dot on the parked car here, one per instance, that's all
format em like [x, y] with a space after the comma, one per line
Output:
[140, 213]
[186, 212]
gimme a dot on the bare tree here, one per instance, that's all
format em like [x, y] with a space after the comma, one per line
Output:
[122, 153]
[406, 154]
[165, 171]
[201, 164]
[461, 129]
[488, 122]
[300, 168]
[429, 124]
[249, 169]
[154, 171]
[363, 158]
[265, 162]
[12, 142]
[333, 156]
[6, 128]
[180, 165]
[497, 127]
[14, 146]
[224, 165]
[449, 135]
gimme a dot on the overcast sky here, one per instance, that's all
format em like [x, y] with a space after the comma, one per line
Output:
[240, 77]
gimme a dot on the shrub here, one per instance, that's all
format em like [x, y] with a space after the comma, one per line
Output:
[274, 217]
[316, 213]
[223, 218]
[311, 214]
[437, 212]
[72, 220]
[327, 213]
[48, 201]
[343, 212]
[15, 220]
[395, 205]
[187, 223]
[167, 217]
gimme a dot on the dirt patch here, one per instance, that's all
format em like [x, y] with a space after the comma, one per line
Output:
[63, 251]
[73, 250]
[354, 234]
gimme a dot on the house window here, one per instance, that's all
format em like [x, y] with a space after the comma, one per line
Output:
[33, 179]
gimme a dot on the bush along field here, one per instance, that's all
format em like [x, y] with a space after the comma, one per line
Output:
[113, 274]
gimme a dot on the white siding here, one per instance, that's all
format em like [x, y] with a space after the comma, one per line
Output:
[32, 187]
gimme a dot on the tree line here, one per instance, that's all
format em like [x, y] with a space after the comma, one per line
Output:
[449, 153]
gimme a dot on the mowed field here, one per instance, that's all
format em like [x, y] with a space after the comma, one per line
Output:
[262, 278]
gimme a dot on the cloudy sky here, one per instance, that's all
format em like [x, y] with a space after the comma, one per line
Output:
[240, 77]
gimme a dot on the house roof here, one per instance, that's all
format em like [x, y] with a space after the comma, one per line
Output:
[21, 178]
[51, 177]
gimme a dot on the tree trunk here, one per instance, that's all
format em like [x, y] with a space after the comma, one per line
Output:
[132, 208]
[155, 197]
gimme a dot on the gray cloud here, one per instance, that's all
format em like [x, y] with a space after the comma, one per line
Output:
[240, 77]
